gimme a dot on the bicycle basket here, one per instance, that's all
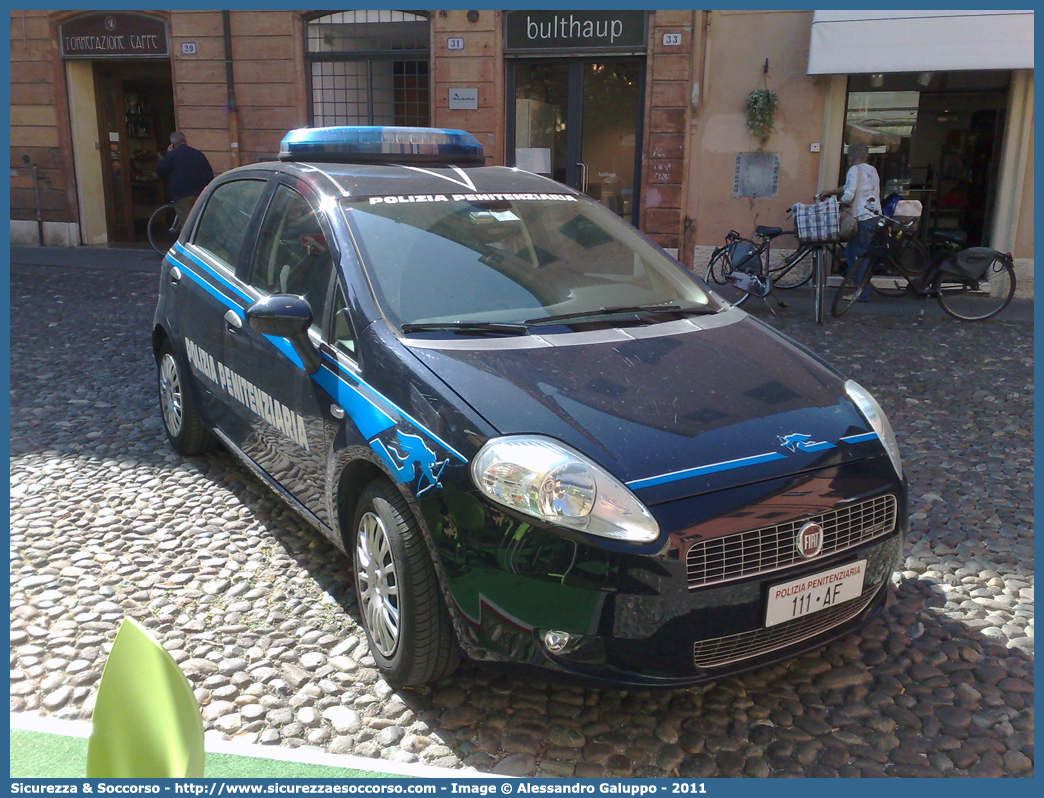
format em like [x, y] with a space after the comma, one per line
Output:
[819, 221]
[969, 264]
[743, 258]
[907, 209]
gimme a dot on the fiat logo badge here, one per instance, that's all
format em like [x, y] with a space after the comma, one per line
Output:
[809, 540]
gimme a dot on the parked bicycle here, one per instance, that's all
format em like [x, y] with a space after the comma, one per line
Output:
[741, 267]
[969, 284]
[164, 228]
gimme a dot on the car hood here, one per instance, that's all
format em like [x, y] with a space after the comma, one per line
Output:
[673, 409]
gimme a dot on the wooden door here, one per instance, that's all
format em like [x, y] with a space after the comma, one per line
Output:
[112, 138]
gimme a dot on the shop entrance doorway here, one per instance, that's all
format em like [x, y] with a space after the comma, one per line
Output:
[579, 122]
[135, 108]
[935, 137]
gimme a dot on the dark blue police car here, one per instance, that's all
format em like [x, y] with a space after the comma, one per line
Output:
[542, 440]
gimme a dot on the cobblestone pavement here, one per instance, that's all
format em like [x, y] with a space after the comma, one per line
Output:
[107, 521]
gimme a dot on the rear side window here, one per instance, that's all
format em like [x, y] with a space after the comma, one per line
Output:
[292, 254]
[224, 221]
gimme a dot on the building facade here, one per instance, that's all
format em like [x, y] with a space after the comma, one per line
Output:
[645, 111]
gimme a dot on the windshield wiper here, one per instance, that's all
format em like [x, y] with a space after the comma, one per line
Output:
[622, 310]
[465, 327]
[520, 328]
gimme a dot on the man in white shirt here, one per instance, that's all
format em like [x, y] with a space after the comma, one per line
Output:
[861, 192]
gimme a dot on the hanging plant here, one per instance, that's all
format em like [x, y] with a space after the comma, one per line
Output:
[761, 110]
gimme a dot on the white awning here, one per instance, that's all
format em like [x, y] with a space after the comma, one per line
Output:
[854, 42]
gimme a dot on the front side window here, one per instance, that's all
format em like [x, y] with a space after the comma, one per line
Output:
[223, 224]
[292, 254]
[509, 260]
[343, 330]
[369, 68]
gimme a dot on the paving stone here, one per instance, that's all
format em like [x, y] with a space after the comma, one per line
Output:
[107, 521]
[515, 765]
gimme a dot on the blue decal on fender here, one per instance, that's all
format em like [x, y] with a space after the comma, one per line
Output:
[414, 452]
[800, 442]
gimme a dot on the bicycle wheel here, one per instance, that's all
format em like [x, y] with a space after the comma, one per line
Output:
[164, 228]
[893, 286]
[796, 270]
[851, 287]
[913, 260]
[968, 301]
[719, 270]
[912, 256]
[818, 259]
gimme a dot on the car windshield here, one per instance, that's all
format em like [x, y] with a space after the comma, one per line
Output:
[511, 258]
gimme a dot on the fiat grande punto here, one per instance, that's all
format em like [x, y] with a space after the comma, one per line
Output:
[541, 440]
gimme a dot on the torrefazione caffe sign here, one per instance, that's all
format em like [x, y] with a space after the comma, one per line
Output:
[114, 35]
[528, 31]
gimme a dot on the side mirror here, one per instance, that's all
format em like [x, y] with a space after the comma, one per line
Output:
[286, 316]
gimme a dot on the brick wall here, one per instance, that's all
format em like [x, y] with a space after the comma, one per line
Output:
[477, 66]
[268, 74]
[667, 90]
[39, 121]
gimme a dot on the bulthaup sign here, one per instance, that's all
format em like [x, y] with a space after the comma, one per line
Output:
[574, 30]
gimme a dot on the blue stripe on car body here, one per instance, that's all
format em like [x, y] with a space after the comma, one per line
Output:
[728, 465]
[363, 384]
[866, 436]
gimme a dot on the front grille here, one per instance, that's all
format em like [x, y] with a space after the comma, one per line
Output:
[771, 548]
[717, 651]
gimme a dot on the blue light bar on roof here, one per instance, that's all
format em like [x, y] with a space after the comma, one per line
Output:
[408, 145]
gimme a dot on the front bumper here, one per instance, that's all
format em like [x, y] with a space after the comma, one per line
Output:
[642, 619]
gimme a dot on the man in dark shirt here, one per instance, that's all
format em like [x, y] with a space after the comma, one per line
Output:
[187, 171]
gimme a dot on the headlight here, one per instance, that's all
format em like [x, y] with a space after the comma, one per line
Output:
[547, 480]
[873, 413]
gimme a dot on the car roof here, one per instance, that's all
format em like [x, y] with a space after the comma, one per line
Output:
[365, 180]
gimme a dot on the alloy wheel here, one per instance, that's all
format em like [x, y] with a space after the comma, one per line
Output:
[378, 584]
[170, 395]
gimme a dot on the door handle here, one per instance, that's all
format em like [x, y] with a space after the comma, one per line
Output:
[175, 276]
[584, 174]
[233, 324]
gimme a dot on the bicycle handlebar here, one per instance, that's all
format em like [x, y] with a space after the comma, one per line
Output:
[733, 236]
[906, 226]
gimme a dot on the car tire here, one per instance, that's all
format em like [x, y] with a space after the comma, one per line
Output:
[400, 604]
[181, 421]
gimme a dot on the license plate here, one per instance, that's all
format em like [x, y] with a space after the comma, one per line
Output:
[814, 593]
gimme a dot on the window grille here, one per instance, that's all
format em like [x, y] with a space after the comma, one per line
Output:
[369, 68]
